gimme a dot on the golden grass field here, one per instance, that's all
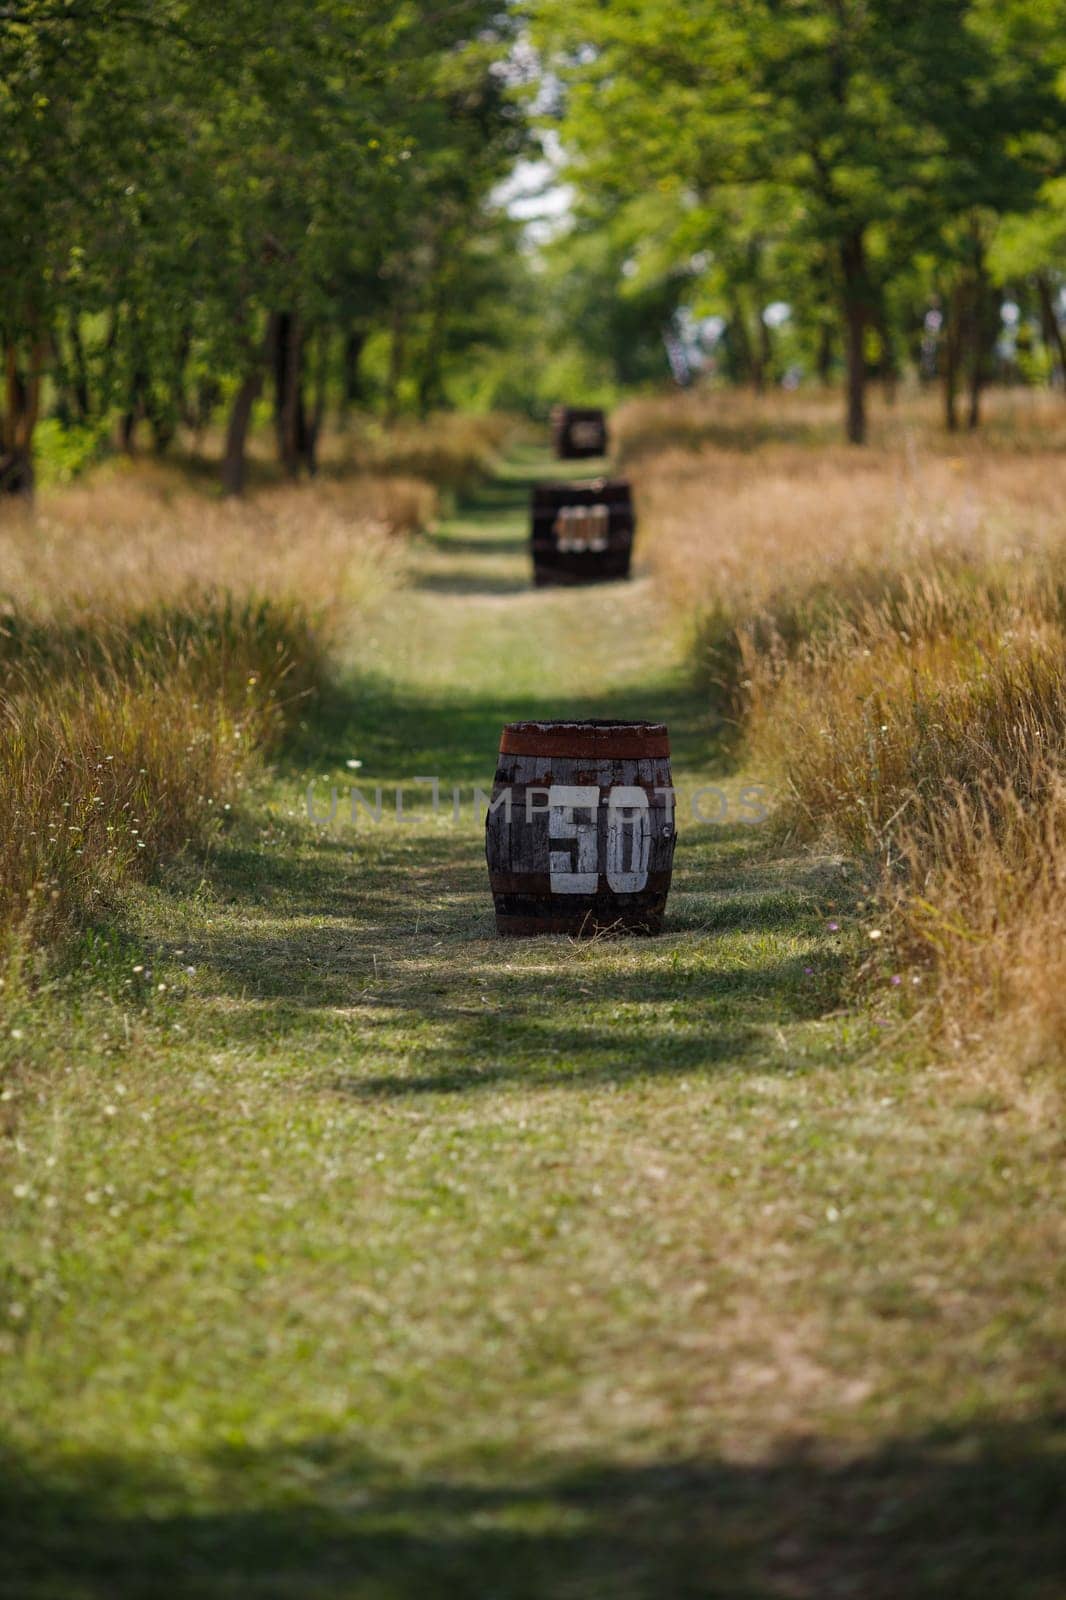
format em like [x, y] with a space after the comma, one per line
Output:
[888, 629]
[154, 640]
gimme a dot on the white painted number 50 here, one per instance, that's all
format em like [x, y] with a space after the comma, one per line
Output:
[575, 870]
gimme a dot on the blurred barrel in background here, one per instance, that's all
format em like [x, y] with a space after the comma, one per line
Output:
[581, 532]
[578, 431]
[580, 834]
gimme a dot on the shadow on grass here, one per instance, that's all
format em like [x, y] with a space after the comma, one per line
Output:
[456, 736]
[487, 1054]
[471, 585]
[939, 1516]
[392, 946]
[451, 544]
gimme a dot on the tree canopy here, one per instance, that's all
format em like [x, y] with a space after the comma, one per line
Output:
[200, 195]
[818, 149]
[204, 205]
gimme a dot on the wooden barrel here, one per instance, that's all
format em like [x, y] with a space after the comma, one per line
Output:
[578, 431]
[580, 832]
[581, 532]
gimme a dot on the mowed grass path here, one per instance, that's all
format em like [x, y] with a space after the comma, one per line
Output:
[376, 1258]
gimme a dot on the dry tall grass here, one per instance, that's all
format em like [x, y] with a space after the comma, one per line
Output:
[1028, 421]
[136, 533]
[451, 450]
[153, 643]
[888, 627]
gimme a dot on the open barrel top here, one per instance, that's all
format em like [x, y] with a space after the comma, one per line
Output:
[584, 738]
[551, 491]
[554, 484]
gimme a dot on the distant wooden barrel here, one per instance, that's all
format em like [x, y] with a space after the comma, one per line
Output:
[580, 833]
[578, 431]
[581, 532]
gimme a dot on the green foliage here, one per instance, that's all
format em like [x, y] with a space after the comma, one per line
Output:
[811, 153]
[199, 211]
[180, 174]
[65, 449]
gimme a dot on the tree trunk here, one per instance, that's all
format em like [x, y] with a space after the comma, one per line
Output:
[21, 400]
[135, 410]
[107, 375]
[354, 341]
[766, 347]
[756, 364]
[312, 424]
[977, 365]
[741, 345]
[430, 383]
[278, 356]
[288, 407]
[233, 463]
[824, 359]
[395, 372]
[1052, 329]
[954, 333]
[81, 371]
[856, 295]
[128, 429]
[184, 350]
[163, 430]
[978, 303]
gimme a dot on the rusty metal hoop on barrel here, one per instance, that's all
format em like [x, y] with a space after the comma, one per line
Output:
[580, 833]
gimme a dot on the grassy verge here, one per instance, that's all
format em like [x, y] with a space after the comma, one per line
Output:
[353, 1253]
[154, 647]
[886, 630]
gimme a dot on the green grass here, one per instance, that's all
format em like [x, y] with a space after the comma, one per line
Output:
[377, 1258]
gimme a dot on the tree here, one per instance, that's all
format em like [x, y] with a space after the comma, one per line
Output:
[869, 118]
[190, 188]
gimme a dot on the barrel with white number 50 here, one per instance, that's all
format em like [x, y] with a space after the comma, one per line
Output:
[580, 830]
